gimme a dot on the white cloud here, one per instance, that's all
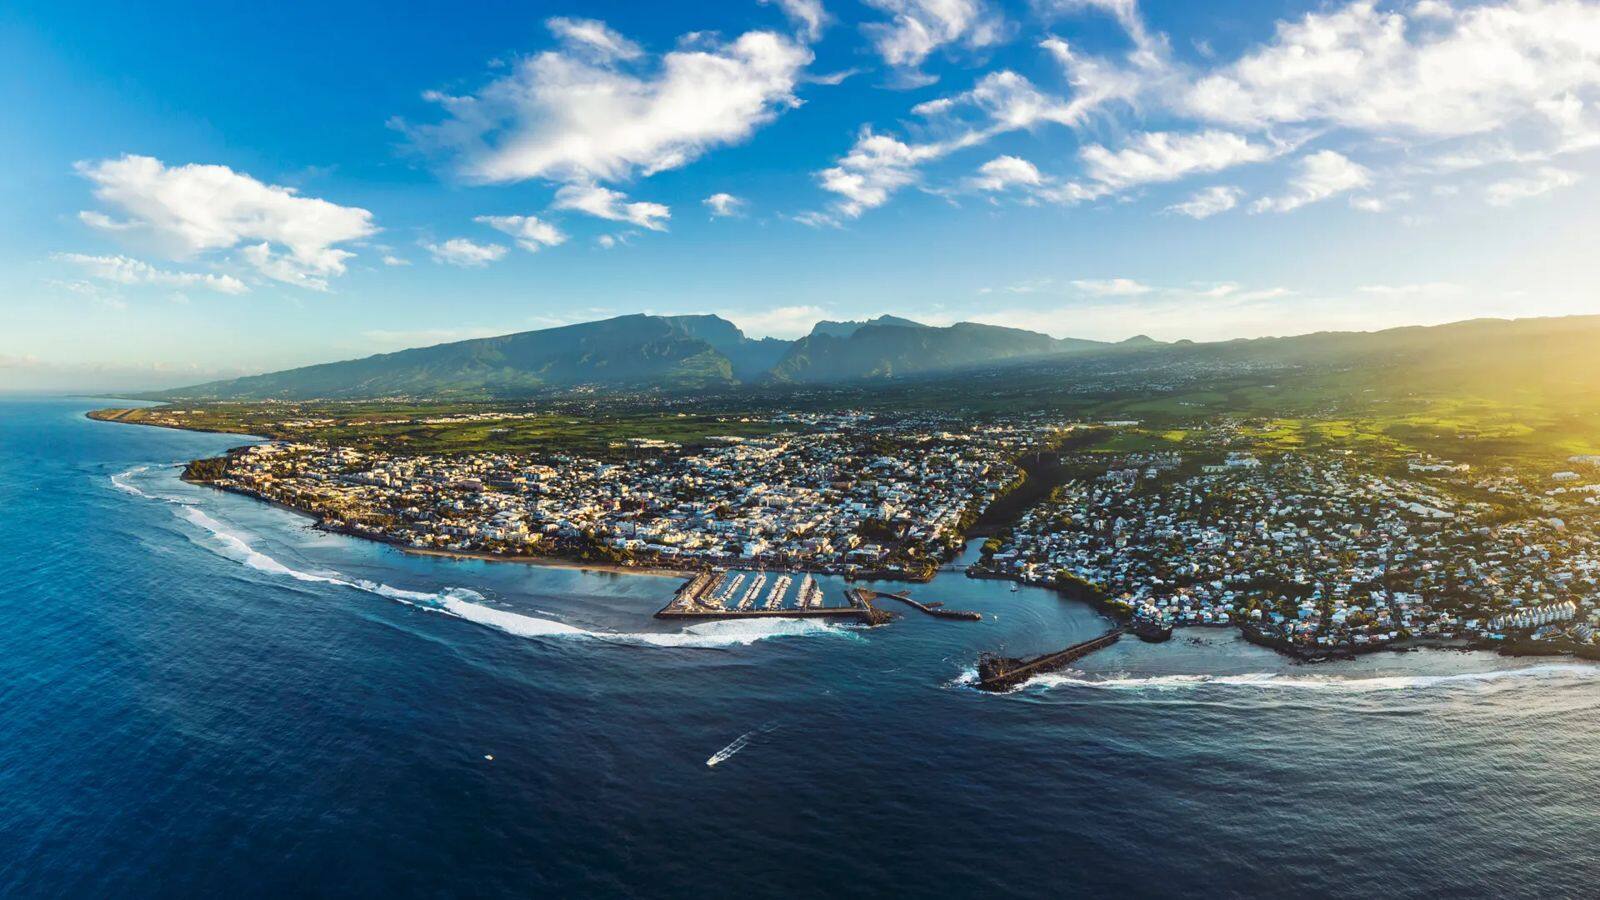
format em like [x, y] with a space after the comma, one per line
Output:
[593, 37]
[1541, 182]
[126, 270]
[1234, 291]
[1452, 86]
[604, 203]
[723, 204]
[879, 165]
[389, 259]
[814, 219]
[1003, 101]
[1208, 202]
[807, 15]
[103, 222]
[531, 233]
[916, 28]
[1426, 289]
[1099, 81]
[876, 167]
[781, 322]
[465, 253]
[1003, 172]
[606, 241]
[1112, 287]
[1372, 203]
[1159, 156]
[1321, 175]
[1362, 67]
[1432, 9]
[571, 116]
[188, 210]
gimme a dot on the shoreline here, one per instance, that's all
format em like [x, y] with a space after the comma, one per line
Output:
[1513, 647]
[92, 416]
[1517, 648]
[547, 562]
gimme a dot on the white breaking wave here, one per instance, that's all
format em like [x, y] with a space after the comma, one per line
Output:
[466, 604]
[967, 678]
[1275, 680]
[234, 547]
[120, 482]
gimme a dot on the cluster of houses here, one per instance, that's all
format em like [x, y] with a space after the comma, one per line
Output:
[1322, 549]
[1319, 550]
[890, 499]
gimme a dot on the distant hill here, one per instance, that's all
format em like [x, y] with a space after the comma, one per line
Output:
[845, 329]
[888, 347]
[1546, 363]
[670, 351]
[1139, 340]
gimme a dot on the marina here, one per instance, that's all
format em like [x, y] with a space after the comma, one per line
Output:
[734, 594]
[761, 594]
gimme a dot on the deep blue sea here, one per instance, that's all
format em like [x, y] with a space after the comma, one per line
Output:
[201, 696]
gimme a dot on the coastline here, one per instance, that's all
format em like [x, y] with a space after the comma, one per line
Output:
[1516, 647]
[547, 562]
[1513, 647]
[93, 415]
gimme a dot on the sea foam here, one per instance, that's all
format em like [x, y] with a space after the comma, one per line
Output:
[121, 481]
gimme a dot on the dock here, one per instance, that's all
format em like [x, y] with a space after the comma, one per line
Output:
[1002, 673]
[706, 595]
[934, 610]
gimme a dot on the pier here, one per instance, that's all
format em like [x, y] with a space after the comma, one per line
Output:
[932, 609]
[1002, 673]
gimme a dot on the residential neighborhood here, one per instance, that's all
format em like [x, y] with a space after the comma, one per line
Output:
[833, 495]
[1321, 551]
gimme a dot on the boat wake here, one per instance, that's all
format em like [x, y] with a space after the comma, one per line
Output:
[738, 743]
[1278, 681]
[469, 605]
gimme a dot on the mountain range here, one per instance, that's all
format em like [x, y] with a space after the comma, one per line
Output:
[645, 351]
[705, 352]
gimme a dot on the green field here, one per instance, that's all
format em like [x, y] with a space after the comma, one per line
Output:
[1479, 423]
[367, 426]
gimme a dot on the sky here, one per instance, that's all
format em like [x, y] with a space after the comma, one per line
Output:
[201, 190]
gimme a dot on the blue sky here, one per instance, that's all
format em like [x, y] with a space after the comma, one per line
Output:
[194, 190]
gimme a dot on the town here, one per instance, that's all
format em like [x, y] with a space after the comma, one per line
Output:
[1319, 553]
[840, 496]
[1323, 554]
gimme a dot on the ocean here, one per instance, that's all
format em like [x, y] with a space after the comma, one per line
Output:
[200, 695]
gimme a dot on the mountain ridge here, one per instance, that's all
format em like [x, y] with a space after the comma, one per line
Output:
[639, 350]
[709, 353]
